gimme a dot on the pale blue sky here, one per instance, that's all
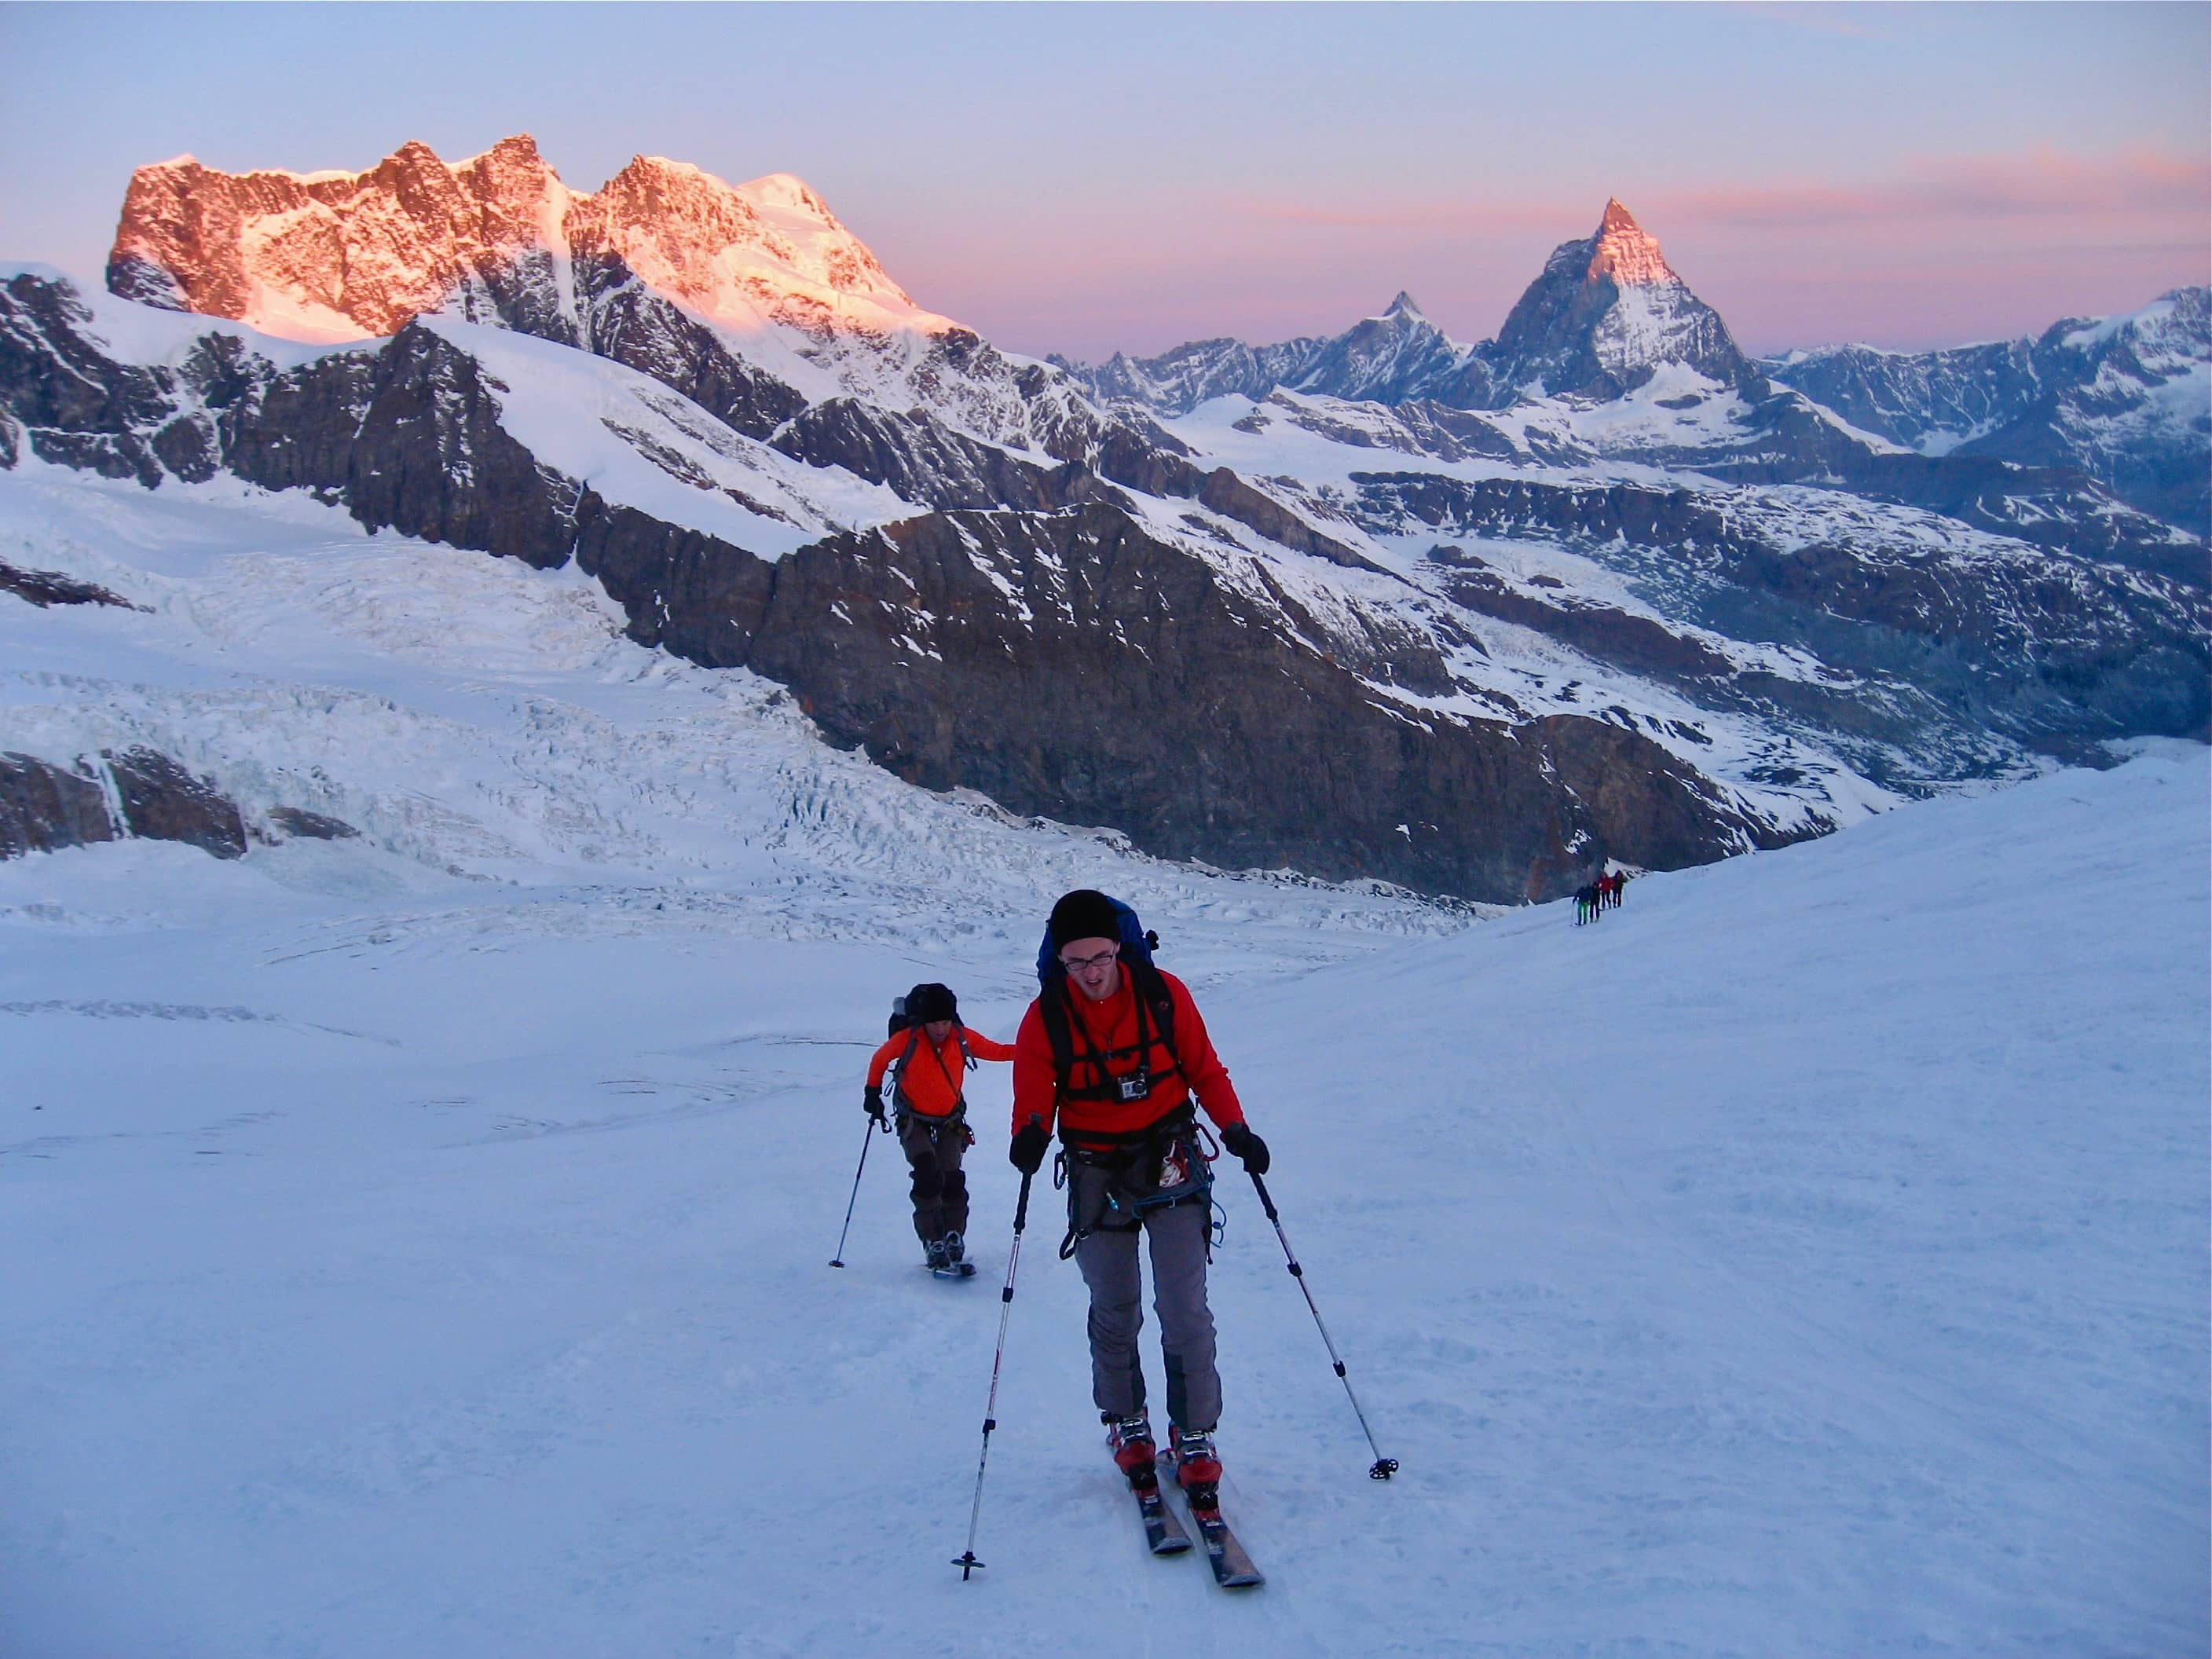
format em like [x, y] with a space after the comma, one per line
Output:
[1083, 178]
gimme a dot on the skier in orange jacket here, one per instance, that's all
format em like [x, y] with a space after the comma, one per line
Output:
[929, 1061]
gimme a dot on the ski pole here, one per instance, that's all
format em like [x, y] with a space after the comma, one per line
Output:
[966, 1560]
[867, 1135]
[1383, 1467]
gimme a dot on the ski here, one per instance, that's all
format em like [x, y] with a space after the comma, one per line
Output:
[1163, 1532]
[957, 1270]
[1232, 1565]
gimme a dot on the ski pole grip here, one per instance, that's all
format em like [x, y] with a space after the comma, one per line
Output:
[1022, 1205]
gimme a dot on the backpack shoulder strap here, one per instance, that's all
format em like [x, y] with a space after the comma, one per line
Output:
[899, 1066]
[951, 1081]
[1052, 1009]
[1151, 989]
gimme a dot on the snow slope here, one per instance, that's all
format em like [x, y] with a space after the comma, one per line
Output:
[426, 1240]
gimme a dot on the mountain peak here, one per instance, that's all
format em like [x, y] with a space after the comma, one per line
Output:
[1622, 251]
[789, 192]
[1403, 306]
[337, 255]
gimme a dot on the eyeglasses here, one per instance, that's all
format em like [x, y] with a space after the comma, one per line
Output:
[1089, 964]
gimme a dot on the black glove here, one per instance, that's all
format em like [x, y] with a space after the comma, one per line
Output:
[1240, 1140]
[872, 1104]
[1027, 1153]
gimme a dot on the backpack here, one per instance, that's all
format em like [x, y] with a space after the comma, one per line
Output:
[1152, 992]
[899, 1022]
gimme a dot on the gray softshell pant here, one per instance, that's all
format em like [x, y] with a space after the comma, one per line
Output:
[1179, 1235]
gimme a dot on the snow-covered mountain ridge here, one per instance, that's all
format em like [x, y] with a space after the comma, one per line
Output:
[1607, 312]
[753, 298]
[1475, 650]
[2118, 408]
[2127, 398]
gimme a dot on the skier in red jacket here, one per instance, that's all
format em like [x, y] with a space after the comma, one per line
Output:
[932, 1054]
[1113, 1052]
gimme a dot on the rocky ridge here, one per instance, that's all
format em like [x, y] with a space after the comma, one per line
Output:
[138, 792]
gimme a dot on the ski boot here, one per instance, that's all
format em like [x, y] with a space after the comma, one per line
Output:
[1198, 1470]
[1131, 1438]
[933, 1256]
[956, 1249]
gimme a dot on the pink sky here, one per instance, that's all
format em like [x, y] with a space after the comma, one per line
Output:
[1942, 249]
[1083, 178]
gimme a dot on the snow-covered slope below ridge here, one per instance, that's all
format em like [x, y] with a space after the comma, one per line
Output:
[485, 726]
[1808, 1260]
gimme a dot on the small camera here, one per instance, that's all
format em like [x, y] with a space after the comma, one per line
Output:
[1135, 1087]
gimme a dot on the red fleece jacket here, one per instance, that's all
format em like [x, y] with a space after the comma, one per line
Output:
[1109, 1026]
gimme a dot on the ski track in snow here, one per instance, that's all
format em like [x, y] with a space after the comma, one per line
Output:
[425, 1235]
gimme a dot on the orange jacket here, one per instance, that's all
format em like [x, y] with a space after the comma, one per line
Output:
[1109, 1026]
[929, 1084]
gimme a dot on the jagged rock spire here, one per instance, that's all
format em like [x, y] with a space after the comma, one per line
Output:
[1607, 312]
[1623, 252]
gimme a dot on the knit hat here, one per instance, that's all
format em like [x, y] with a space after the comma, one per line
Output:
[927, 1002]
[1085, 914]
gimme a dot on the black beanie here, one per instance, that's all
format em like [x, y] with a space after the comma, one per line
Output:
[927, 1002]
[1084, 913]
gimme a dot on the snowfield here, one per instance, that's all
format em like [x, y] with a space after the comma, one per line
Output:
[420, 1241]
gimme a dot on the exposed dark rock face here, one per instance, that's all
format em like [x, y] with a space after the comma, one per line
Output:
[407, 436]
[45, 587]
[162, 801]
[311, 826]
[44, 807]
[78, 408]
[1231, 497]
[1598, 630]
[921, 459]
[1191, 718]
[636, 328]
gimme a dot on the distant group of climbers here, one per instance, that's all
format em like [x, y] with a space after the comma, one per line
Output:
[1594, 897]
[1114, 1052]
